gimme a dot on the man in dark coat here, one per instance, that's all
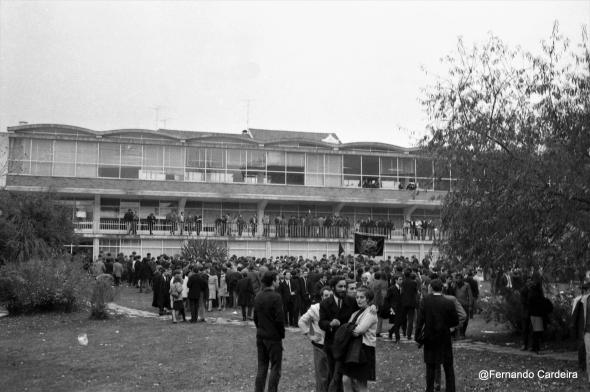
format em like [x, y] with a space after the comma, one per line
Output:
[196, 286]
[160, 292]
[270, 331]
[334, 312]
[393, 304]
[245, 295]
[437, 315]
[409, 296]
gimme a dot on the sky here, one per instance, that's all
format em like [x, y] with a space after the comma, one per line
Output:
[352, 68]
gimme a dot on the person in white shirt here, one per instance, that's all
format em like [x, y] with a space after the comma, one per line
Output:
[308, 324]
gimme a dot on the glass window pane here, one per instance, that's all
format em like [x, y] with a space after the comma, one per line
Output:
[153, 156]
[65, 151]
[334, 180]
[315, 163]
[19, 156]
[333, 164]
[109, 154]
[406, 167]
[256, 160]
[236, 159]
[131, 155]
[217, 176]
[195, 157]
[173, 163]
[352, 164]
[87, 152]
[352, 181]
[370, 166]
[108, 171]
[295, 162]
[276, 177]
[314, 179]
[295, 178]
[42, 150]
[275, 161]
[86, 170]
[389, 166]
[215, 158]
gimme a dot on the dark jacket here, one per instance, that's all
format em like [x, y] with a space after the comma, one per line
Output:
[437, 315]
[196, 284]
[409, 292]
[245, 292]
[329, 311]
[393, 300]
[268, 315]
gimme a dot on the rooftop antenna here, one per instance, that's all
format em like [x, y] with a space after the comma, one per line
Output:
[164, 120]
[248, 112]
[157, 112]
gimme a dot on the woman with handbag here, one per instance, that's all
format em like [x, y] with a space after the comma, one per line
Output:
[359, 362]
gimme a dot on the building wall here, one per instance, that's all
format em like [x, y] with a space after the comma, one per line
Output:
[3, 158]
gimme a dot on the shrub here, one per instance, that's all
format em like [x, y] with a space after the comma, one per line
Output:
[103, 292]
[507, 309]
[56, 284]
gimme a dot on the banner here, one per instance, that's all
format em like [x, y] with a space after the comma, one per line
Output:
[340, 249]
[369, 245]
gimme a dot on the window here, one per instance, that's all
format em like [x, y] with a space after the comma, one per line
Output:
[41, 157]
[333, 167]
[256, 166]
[236, 165]
[352, 170]
[370, 169]
[173, 163]
[314, 173]
[275, 165]
[64, 164]
[130, 160]
[86, 159]
[109, 160]
[295, 168]
[19, 160]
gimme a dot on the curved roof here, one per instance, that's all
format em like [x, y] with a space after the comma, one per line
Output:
[307, 142]
[233, 138]
[375, 146]
[51, 127]
[133, 131]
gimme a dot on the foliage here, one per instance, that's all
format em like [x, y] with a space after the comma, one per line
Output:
[514, 128]
[507, 309]
[32, 225]
[204, 250]
[103, 292]
[43, 285]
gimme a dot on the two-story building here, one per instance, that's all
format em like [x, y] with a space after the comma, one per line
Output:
[320, 189]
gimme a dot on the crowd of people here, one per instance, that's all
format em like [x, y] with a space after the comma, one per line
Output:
[315, 295]
[280, 226]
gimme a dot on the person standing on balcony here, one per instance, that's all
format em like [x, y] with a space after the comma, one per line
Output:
[135, 222]
[198, 224]
[128, 219]
[181, 222]
[151, 220]
[241, 224]
[253, 225]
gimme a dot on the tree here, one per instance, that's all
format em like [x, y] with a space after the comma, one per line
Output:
[514, 126]
[204, 249]
[32, 225]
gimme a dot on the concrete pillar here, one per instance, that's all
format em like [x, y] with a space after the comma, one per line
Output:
[337, 208]
[95, 248]
[96, 216]
[259, 215]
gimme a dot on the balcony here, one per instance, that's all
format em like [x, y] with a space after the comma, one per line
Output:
[247, 231]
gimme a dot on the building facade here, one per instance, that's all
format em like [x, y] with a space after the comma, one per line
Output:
[264, 192]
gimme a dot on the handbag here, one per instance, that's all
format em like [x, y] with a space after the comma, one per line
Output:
[355, 353]
[342, 338]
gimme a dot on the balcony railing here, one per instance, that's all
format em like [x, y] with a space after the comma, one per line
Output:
[235, 230]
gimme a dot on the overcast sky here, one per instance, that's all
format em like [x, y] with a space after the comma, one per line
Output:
[345, 67]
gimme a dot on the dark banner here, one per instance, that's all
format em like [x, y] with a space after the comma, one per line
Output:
[369, 245]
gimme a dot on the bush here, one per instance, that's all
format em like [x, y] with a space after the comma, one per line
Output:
[103, 292]
[507, 309]
[56, 284]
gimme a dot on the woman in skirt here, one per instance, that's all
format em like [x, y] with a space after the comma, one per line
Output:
[356, 375]
[222, 291]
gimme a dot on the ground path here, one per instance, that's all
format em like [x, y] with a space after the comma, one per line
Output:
[466, 344]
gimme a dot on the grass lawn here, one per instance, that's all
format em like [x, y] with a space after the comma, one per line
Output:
[42, 353]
